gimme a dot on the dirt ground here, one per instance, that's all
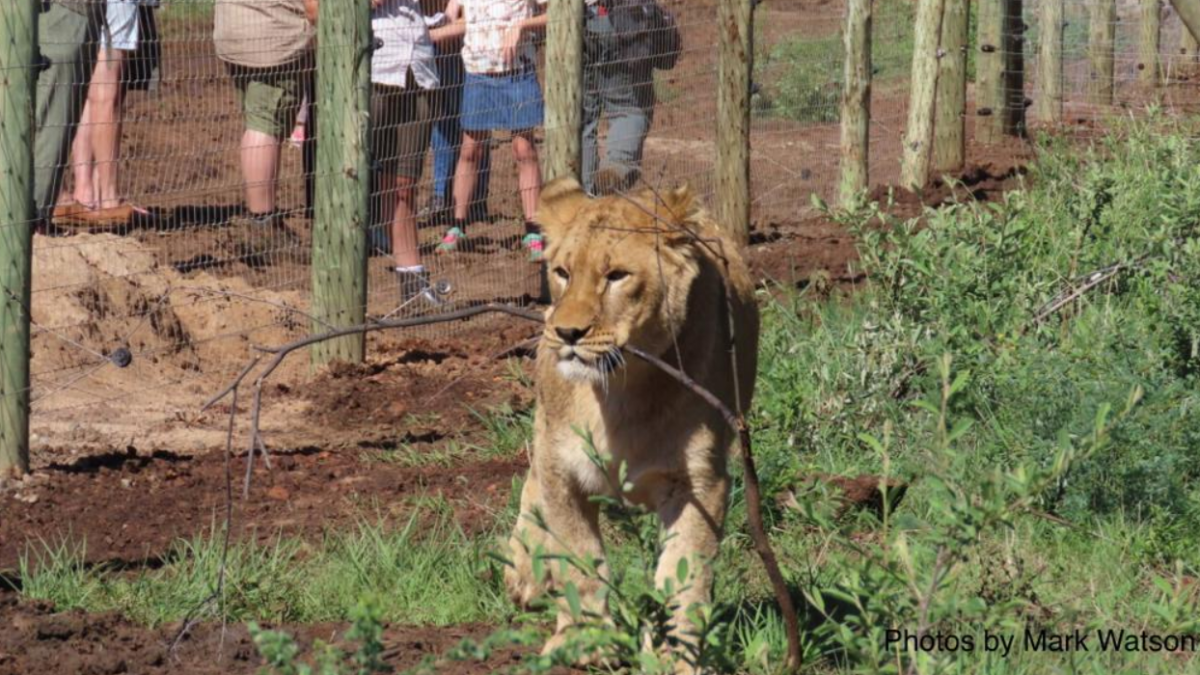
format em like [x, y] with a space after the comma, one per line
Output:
[126, 459]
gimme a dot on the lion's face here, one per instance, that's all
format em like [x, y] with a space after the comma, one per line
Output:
[620, 270]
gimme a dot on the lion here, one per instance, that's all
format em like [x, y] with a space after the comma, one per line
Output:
[650, 271]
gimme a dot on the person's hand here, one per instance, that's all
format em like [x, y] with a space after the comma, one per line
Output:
[512, 45]
[376, 3]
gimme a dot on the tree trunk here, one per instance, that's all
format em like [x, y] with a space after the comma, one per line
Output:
[918, 137]
[734, 63]
[950, 149]
[856, 102]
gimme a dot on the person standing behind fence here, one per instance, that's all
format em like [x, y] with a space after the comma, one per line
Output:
[267, 46]
[624, 42]
[500, 91]
[404, 79]
[67, 32]
[128, 58]
[447, 139]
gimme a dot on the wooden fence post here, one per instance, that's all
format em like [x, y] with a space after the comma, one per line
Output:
[949, 143]
[989, 72]
[1102, 36]
[1014, 68]
[1149, 68]
[339, 242]
[564, 88]
[918, 136]
[1049, 102]
[856, 103]
[18, 93]
[1189, 14]
[734, 63]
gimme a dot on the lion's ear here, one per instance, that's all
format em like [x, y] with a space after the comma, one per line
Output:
[560, 203]
[679, 203]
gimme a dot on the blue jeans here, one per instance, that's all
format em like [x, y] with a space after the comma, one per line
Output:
[620, 90]
[447, 134]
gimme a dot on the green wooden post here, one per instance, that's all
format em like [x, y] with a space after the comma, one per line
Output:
[1049, 102]
[989, 72]
[734, 63]
[1149, 68]
[564, 88]
[1102, 36]
[339, 255]
[18, 92]
[949, 142]
[856, 102]
[918, 137]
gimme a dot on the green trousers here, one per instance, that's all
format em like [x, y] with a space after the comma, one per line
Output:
[66, 40]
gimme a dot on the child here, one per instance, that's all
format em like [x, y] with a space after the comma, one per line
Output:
[404, 79]
[500, 91]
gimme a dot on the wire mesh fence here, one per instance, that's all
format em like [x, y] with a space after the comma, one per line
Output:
[176, 156]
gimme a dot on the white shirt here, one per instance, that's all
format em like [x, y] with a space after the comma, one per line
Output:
[406, 44]
[488, 21]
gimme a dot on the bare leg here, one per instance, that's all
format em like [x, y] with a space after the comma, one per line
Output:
[404, 222]
[466, 173]
[82, 160]
[105, 99]
[529, 172]
[260, 167]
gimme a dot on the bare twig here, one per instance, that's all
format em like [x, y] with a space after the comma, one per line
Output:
[762, 544]
[1087, 283]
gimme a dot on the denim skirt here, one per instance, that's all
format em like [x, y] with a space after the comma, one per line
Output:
[512, 101]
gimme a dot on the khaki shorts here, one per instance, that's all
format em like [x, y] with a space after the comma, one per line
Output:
[401, 122]
[270, 97]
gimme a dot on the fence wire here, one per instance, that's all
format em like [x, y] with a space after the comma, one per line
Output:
[175, 157]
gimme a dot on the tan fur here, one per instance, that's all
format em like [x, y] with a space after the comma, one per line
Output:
[671, 302]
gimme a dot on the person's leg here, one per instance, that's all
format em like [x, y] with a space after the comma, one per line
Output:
[629, 104]
[271, 98]
[104, 107]
[529, 172]
[466, 174]
[64, 39]
[82, 161]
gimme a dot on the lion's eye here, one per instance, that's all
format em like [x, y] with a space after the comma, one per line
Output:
[562, 274]
[616, 275]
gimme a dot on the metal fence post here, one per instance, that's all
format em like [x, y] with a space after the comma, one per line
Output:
[564, 88]
[734, 64]
[18, 92]
[343, 180]
[856, 102]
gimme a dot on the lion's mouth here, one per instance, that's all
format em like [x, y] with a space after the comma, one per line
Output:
[584, 367]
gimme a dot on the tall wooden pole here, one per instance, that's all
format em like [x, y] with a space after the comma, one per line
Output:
[1149, 68]
[339, 255]
[1014, 68]
[734, 63]
[1189, 13]
[564, 88]
[1048, 105]
[989, 72]
[918, 137]
[1102, 35]
[18, 92]
[856, 102]
[949, 143]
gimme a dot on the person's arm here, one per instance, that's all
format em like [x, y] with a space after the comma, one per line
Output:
[310, 11]
[512, 39]
[455, 29]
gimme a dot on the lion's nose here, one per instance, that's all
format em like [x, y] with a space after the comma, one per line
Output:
[571, 335]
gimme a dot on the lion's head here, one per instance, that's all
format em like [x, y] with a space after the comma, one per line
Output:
[620, 271]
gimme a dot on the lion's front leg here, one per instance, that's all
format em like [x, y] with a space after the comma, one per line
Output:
[693, 519]
[528, 537]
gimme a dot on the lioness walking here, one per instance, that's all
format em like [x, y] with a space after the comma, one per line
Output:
[647, 271]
